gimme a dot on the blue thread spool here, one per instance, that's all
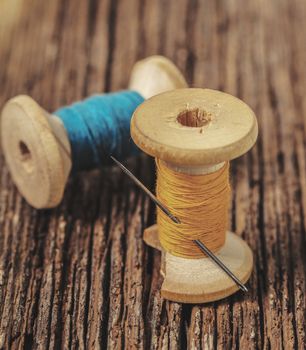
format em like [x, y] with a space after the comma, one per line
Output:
[41, 148]
[99, 127]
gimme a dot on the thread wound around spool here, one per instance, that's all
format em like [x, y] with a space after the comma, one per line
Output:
[201, 204]
[99, 126]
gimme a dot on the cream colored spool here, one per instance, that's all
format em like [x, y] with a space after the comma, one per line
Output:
[226, 128]
[35, 143]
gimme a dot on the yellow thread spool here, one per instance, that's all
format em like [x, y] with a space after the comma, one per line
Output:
[195, 132]
[201, 204]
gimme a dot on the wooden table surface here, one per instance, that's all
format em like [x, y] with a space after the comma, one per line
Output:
[80, 275]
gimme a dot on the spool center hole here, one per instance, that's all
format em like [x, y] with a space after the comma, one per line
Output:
[24, 151]
[194, 118]
[25, 156]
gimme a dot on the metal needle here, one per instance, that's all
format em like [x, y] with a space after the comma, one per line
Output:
[147, 191]
[200, 244]
[208, 252]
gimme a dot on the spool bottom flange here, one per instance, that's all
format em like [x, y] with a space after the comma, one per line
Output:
[201, 280]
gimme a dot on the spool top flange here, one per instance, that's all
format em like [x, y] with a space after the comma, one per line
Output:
[194, 127]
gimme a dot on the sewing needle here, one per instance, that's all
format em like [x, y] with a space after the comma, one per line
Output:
[200, 244]
[147, 191]
[208, 252]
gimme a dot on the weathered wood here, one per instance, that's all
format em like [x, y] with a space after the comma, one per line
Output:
[80, 276]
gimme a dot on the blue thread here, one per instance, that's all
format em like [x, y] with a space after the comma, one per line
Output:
[99, 127]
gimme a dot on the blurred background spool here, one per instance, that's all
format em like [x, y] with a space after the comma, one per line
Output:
[194, 132]
[36, 144]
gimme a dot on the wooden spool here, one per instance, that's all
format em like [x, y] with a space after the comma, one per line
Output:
[35, 143]
[195, 131]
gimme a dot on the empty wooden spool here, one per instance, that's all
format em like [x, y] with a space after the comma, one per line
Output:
[35, 143]
[227, 128]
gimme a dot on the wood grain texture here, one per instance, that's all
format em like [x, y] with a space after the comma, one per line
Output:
[79, 276]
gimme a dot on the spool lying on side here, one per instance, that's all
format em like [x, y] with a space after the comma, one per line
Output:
[195, 131]
[36, 145]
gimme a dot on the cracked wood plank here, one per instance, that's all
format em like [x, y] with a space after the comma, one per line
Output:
[79, 276]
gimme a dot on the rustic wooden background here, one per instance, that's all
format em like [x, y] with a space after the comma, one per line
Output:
[80, 276]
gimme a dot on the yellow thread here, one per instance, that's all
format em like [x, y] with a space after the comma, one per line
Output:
[200, 202]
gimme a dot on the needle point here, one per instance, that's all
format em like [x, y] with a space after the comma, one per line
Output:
[244, 288]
